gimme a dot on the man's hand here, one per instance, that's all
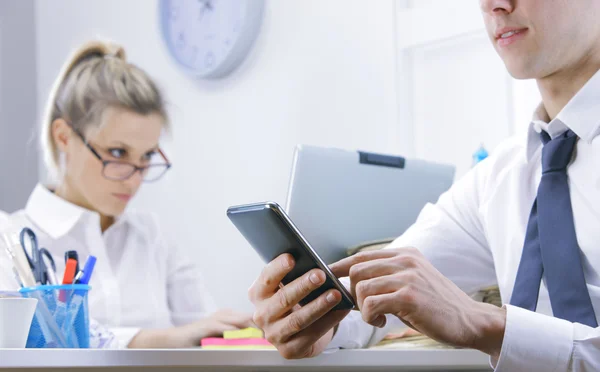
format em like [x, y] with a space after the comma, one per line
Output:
[297, 332]
[402, 282]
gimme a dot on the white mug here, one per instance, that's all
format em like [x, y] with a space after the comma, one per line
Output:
[16, 314]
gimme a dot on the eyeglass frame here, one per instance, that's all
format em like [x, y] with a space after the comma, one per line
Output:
[135, 167]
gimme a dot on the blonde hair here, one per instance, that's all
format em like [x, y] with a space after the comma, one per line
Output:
[96, 77]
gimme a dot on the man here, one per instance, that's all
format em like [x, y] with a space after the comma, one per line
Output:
[527, 218]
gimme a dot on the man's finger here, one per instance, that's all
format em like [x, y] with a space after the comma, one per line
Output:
[301, 345]
[304, 317]
[368, 270]
[342, 268]
[375, 307]
[373, 269]
[270, 278]
[291, 294]
[377, 286]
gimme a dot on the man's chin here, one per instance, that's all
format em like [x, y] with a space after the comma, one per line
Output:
[521, 73]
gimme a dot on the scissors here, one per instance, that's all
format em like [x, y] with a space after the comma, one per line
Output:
[38, 258]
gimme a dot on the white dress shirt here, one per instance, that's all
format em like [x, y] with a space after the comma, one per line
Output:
[474, 235]
[140, 279]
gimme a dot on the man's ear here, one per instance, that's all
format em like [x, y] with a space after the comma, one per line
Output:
[61, 133]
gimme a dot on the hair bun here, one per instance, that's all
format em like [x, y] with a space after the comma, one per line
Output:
[113, 51]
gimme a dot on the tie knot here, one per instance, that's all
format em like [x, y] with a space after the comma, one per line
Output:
[557, 152]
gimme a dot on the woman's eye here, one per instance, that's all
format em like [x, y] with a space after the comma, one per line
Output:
[149, 155]
[117, 153]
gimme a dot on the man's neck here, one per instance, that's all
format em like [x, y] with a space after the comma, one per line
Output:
[559, 88]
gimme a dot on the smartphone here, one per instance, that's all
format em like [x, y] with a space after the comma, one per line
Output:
[272, 233]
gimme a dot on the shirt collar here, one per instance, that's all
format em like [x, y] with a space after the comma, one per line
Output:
[581, 115]
[56, 216]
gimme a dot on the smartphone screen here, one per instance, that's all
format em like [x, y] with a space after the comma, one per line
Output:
[271, 233]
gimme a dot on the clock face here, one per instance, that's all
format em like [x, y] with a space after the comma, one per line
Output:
[210, 38]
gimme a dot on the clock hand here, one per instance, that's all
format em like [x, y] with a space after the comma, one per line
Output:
[206, 5]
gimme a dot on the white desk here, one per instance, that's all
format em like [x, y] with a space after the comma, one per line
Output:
[266, 360]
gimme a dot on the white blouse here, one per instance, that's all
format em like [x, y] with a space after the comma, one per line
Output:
[140, 279]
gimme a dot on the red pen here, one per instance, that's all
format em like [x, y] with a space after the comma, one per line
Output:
[70, 269]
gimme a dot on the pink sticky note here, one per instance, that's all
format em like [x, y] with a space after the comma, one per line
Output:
[216, 341]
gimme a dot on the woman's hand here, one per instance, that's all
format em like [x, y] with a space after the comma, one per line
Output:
[190, 335]
[214, 325]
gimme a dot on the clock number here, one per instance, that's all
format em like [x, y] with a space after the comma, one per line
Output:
[209, 60]
[181, 41]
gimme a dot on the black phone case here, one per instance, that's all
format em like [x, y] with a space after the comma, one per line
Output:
[271, 233]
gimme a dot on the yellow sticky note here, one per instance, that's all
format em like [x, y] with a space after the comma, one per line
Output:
[243, 333]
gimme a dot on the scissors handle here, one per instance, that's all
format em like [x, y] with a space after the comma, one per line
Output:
[49, 268]
[39, 260]
[32, 258]
[49, 259]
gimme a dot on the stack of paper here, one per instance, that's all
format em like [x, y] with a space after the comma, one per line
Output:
[409, 339]
[491, 295]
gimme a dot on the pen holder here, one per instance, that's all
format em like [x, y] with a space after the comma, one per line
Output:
[61, 318]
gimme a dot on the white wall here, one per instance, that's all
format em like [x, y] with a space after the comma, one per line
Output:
[18, 153]
[460, 100]
[526, 98]
[321, 72]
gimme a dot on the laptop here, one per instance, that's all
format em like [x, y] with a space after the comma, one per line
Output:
[340, 199]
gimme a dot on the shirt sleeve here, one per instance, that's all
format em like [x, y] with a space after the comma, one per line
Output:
[451, 236]
[189, 299]
[537, 342]
[8, 281]
[124, 335]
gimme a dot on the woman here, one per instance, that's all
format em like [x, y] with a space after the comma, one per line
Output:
[100, 138]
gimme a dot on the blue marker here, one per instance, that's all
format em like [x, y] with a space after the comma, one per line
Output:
[83, 277]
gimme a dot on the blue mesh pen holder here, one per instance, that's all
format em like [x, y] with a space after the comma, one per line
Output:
[61, 318]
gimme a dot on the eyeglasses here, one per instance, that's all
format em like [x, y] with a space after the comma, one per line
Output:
[120, 171]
